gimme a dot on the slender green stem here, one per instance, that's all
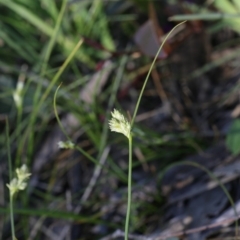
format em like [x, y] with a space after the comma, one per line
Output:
[10, 178]
[8, 150]
[18, 132]
[11, 216]
[129, 188]
[130, 137]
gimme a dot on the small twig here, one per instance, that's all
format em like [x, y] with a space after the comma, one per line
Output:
[118, 233]
[37, 226]
[93, 180]
[197, 229]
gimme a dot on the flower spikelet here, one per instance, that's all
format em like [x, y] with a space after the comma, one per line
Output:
[20, 182]
[17, 94]
[119, 123]
[22, 173]
[13, 186]
[65, 145]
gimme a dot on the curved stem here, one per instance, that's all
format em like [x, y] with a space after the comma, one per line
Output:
[129, 188]
[149, 72]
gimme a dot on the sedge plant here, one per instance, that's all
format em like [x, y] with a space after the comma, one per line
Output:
[120, 124]
[17, 184]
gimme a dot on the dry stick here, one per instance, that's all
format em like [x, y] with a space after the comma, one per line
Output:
[37, 226]
[197, 229]
[93, 180]
[119, 233]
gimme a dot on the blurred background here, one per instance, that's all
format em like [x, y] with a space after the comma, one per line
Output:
[98, 52]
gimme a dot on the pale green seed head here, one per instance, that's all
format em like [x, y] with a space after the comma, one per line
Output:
[119, 124]
[65, 145]
[19, 183]
[13, 186]
[22, 173]
[17, 94]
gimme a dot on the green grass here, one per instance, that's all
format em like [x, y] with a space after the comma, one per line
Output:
[46, 44]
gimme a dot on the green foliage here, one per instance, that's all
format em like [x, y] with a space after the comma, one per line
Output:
[228, 14]
[228, 7]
